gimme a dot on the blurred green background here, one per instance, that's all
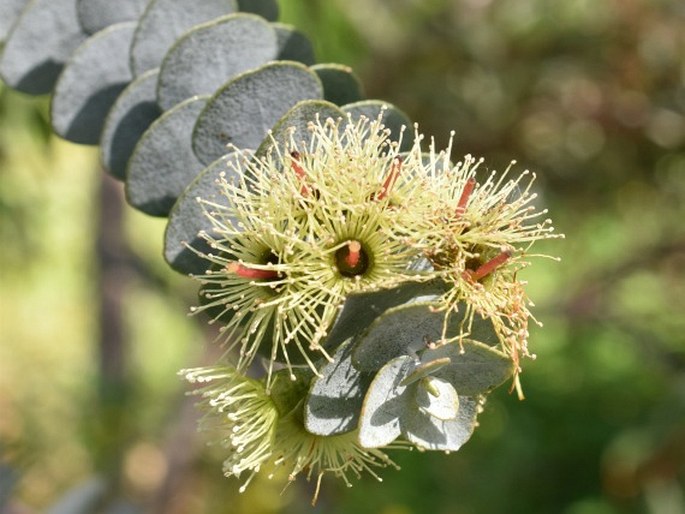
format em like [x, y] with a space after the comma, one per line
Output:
[589, 94]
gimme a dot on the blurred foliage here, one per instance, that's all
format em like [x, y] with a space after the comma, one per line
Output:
[590, 95]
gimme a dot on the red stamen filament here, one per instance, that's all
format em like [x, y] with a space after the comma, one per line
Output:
[464, 198]
[490, 266]
[390, 179]
[353, 253]
[236, 268]
[299, 171]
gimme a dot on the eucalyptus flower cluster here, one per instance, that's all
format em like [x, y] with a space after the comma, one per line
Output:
[378, 288]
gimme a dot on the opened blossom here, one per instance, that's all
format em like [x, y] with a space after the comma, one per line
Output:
[478, 237]
[264, 429]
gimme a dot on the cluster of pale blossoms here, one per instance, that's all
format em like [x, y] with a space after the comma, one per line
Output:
[307, 225]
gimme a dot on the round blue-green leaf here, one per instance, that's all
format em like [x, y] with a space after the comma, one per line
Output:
[164, 21]
[402, 330]
[206, 57]
[425, 369]
[90, 83]
[411, 328]
[393, 118]
[41, 40]
[361, 309]
[9, 13]
[267, 9]
[297, 119]
[474, 368]
[385, 403]
[437, 398]
[96, 15]
[431, 433]
[130, 116]
[340, 84]
[242, 111]
[293, 45]
[163, 162]
[335, 399]
[187, 219]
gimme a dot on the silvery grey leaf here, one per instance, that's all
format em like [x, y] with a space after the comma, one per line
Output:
[133, 112]
[335, 399]
[164, 21]
[42, 39]
[90, 84]
[293, 45]
[9, 14]
[385, 403]
[95, 15]
[163, 162]
[241, 113]
[341, 85]
[209, 55]
[187, 218]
